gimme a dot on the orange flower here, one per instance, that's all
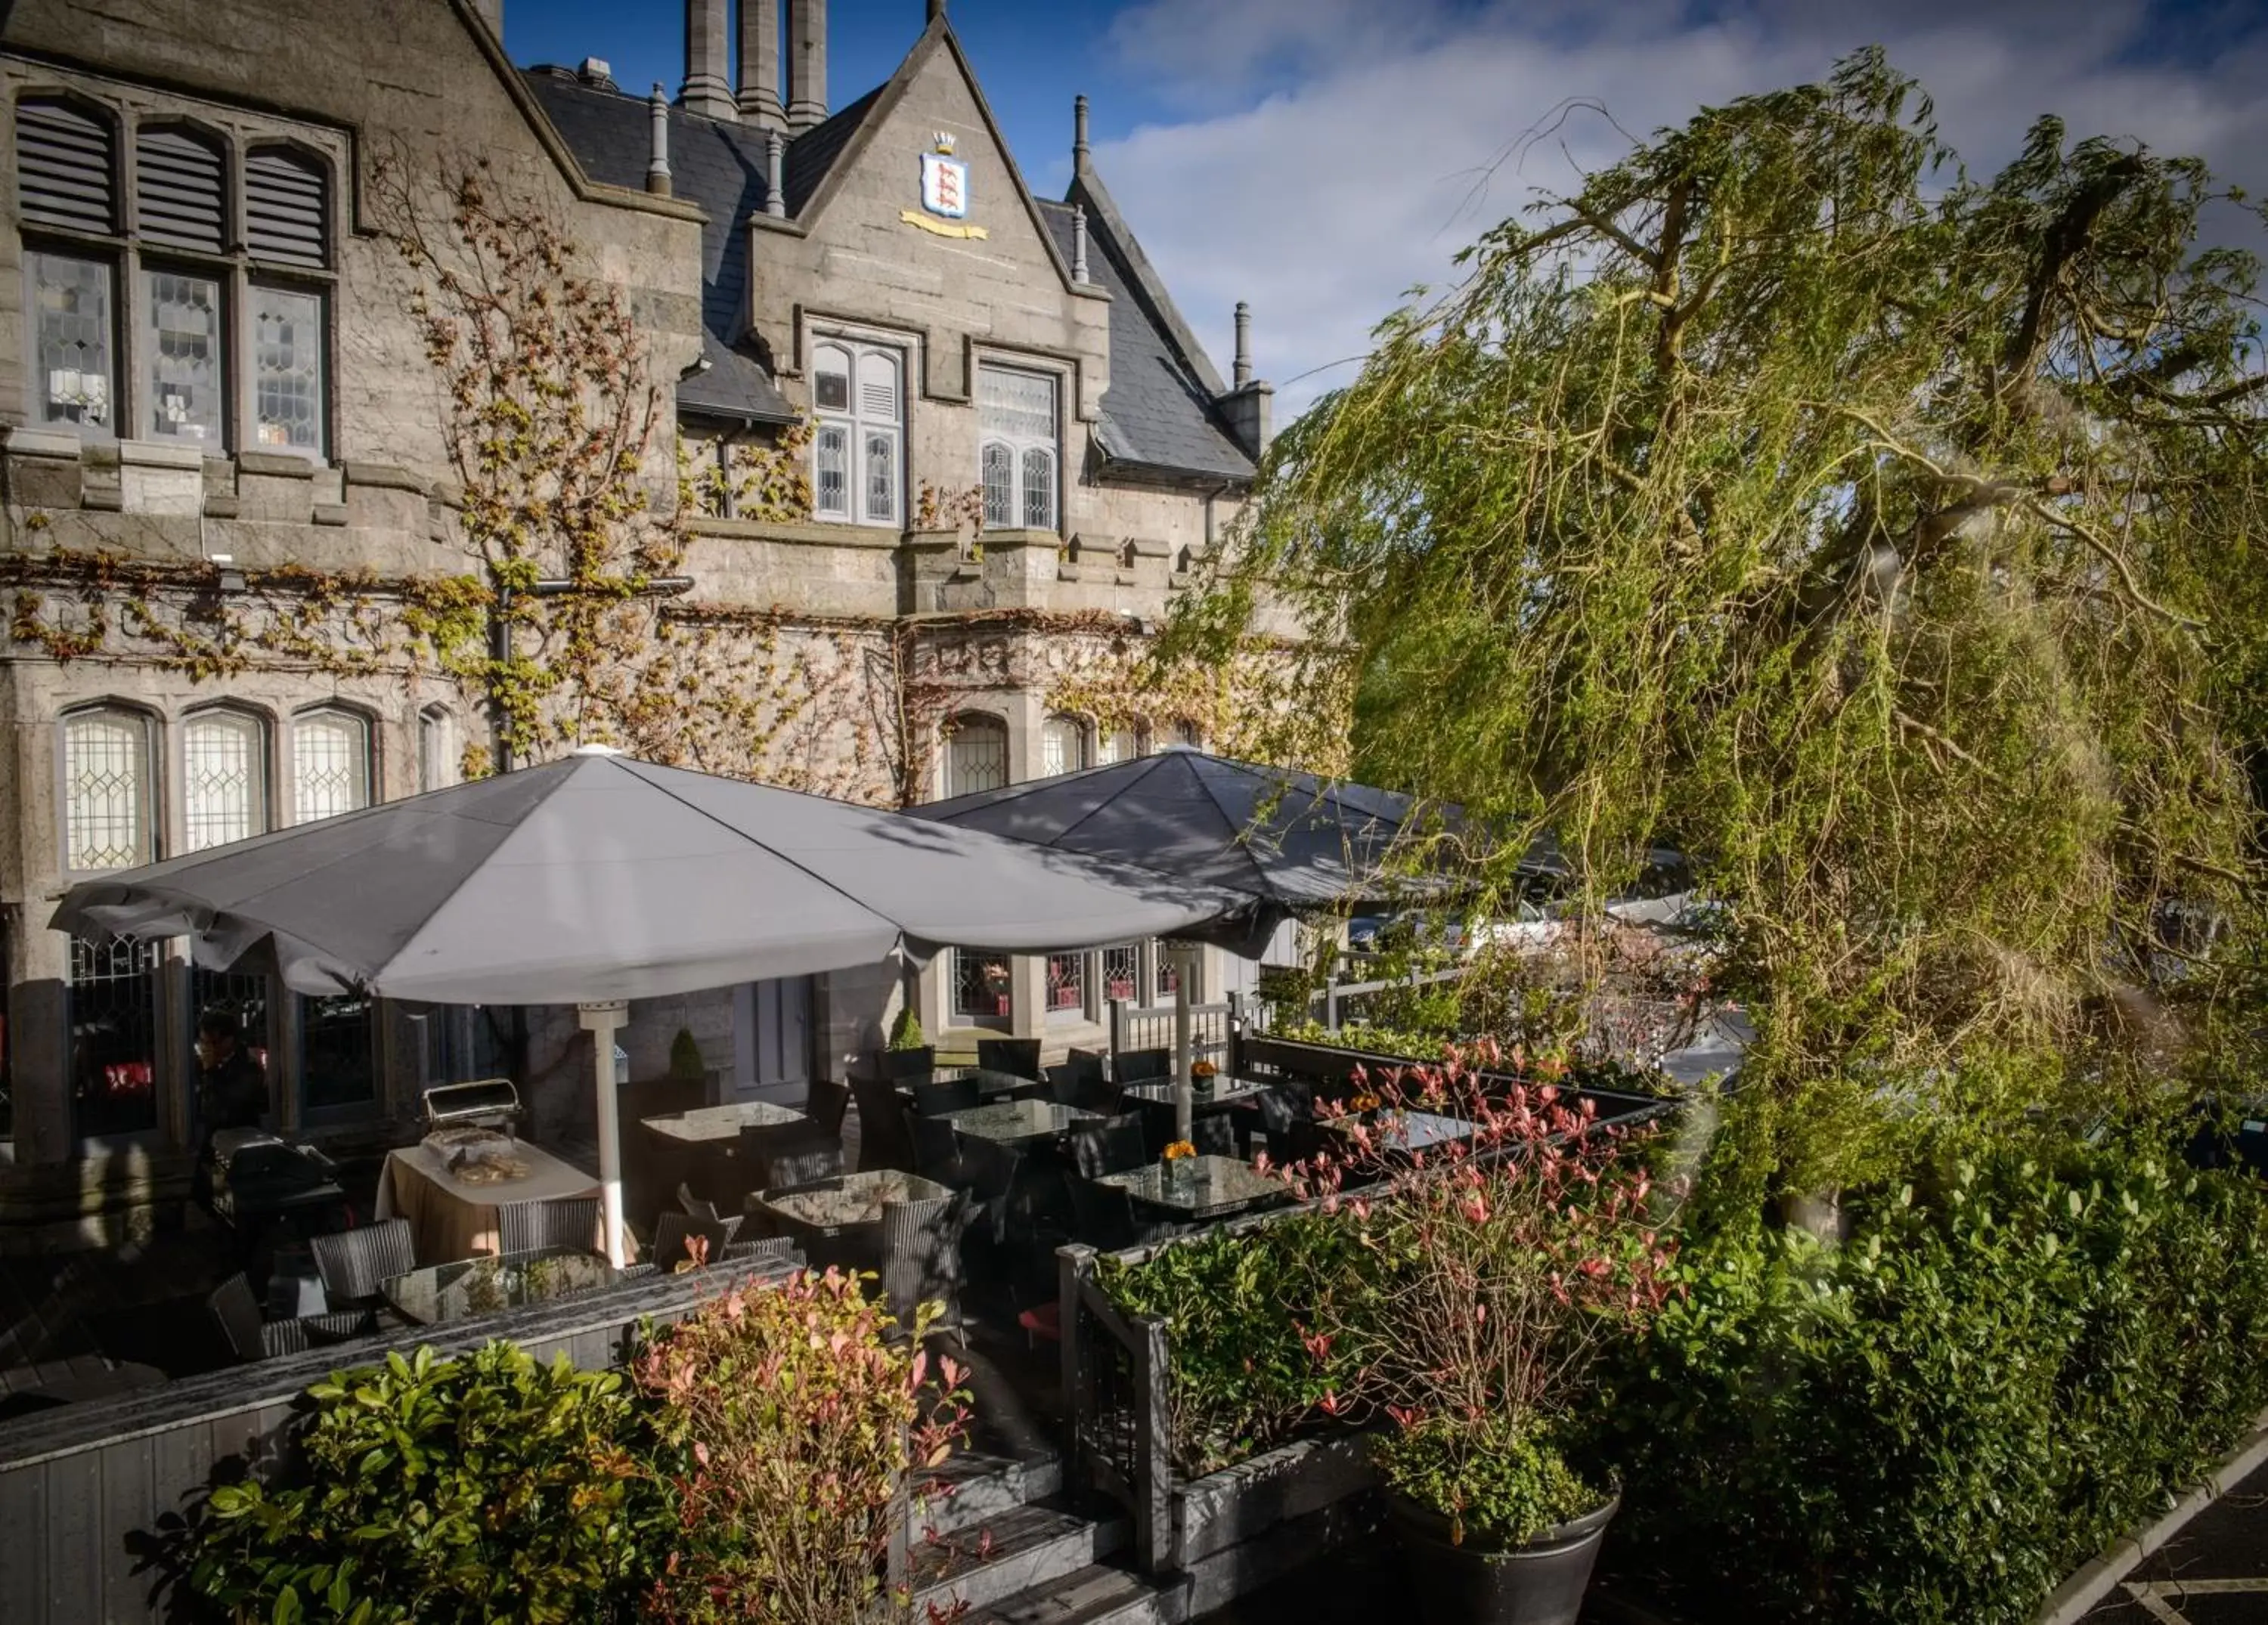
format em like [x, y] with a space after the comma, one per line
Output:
[1180, 1149]
[1204, 1069]
[1364, 1103]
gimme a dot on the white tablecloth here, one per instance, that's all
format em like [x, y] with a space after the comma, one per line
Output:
[450, 1219]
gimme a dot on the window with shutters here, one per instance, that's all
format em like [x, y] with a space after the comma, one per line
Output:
[1016, 416]
[66, 185]
[223, 779]
[858, 448]
[330, 765]
[107, 790]
[162, 314]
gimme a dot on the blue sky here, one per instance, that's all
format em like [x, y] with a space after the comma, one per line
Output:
[1321, 158]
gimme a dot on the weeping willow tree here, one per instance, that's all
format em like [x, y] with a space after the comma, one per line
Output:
[1888, 541]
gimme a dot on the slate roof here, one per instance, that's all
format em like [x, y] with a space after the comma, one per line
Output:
[717, 165]
[1157, 413]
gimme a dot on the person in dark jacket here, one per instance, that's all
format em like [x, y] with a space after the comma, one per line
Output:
[231, 1087]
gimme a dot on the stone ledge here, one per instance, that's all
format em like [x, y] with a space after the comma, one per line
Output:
[159, 454]
[808, 534]
[385, 476]
[282, 464]
[28, 442]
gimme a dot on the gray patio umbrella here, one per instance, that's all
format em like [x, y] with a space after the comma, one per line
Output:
[596, 879]
[1290, 841]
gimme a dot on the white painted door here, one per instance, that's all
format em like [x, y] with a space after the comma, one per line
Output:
[771, 1040]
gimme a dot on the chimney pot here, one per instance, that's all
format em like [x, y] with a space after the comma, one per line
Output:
[806, 64]
[936, 9]
[707, 53]
[760, 64]
[597, 70]
[656, 167]
[1078, 132]
[776, 174]
[1078, 242]
[1244, 372]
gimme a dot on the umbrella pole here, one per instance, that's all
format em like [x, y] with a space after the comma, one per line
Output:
[602, 1022]
[1184, 962]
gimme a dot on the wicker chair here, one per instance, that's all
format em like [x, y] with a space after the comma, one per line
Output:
[883, 1142]
[1214, 1135]
[1142, 1066]
[1107, 1146]
[237, 1313]
[1082, 1081]
[937, 1149]
[1018, 1055]
[993, 1170]
[559, 1221]
[1102, 1216]
[921, 1255]
[695, 1207]
[353, 1262]
[787, 1154]
[673, 1231]
[825, 1103]
[1292, 1138]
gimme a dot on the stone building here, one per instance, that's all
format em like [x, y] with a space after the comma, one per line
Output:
[228, 471]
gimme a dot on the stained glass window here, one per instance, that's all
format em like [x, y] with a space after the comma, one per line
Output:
[287, 370]
[1063, 746]
[73, 336]
[1016, 416]
[183, 351]
[855, 391]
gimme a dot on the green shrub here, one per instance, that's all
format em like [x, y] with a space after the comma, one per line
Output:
[1241, 1309]
[435, 1491]
[2008, 1364]
[686, 1065]
[906, 1031]
[1496, 1483]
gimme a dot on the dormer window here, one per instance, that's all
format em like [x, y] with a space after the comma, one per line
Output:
[857, 449]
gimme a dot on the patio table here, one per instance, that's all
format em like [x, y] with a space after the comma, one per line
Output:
[1017, 1122]
[702, 1147]
[1217, 1187]
[839, 1221]
[1225, 1093]
[478, 1286]
[989, 1084]
[1397, 1129]
[451, 1218]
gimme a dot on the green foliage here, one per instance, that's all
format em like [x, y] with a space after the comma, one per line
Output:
[686, 1065]
[2009, 1363]
[906, 1031]
[1497, 1484]
[1887, 538]
[433, 1490]
[1241, 1309]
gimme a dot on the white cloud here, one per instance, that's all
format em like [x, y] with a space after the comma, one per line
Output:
[1337, 161]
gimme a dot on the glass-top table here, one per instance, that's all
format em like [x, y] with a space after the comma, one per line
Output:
[1397, 1129]
[1225, 1092]
[1011, 1122]
[721, 1122]
[1216, 1186]
[851, 1198]
[478, 1286]
[989, 1083]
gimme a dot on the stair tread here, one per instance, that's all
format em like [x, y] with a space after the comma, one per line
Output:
[1006, 1534]
[1090, 1596]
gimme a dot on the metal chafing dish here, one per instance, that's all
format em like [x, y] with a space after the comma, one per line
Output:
[256, 1175]
[472, 1120]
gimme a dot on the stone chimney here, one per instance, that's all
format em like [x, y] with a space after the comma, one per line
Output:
[1249, 406]
[708, 53]
[806, 64]
[936, 9]
[1079, 153]
[491, 13]
[776, 174]
[657, 164]
[760, 98]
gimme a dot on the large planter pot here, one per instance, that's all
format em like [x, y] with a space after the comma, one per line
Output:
[1540, 1582]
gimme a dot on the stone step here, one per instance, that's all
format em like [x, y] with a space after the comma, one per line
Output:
[1026, 1548]
[977, 1485]
[1097, 1595]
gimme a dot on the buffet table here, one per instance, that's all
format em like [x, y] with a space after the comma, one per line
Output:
[452, 1218]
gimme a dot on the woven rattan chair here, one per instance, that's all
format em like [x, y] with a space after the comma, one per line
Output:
[558, 1221]
[353, 1262]
[1017, 1055]
[883, 1142]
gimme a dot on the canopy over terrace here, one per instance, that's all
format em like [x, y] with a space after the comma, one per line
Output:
[1290, 841]
[596, 879]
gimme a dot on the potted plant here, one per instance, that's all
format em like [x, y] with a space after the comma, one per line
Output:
[1181, 1165]
[1494, 1271]
[1202, 1075]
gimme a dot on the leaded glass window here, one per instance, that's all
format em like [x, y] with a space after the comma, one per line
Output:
[858, 456]
[287, 370]
[224, 780]
[1063, 746]
[107, 789]
[1121, 971]
[330, 765]
[976, 754]
[1067, 984]
[440, 758]
[1016, 417]
[183, 351]
[112, 1020]
[73, 338]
